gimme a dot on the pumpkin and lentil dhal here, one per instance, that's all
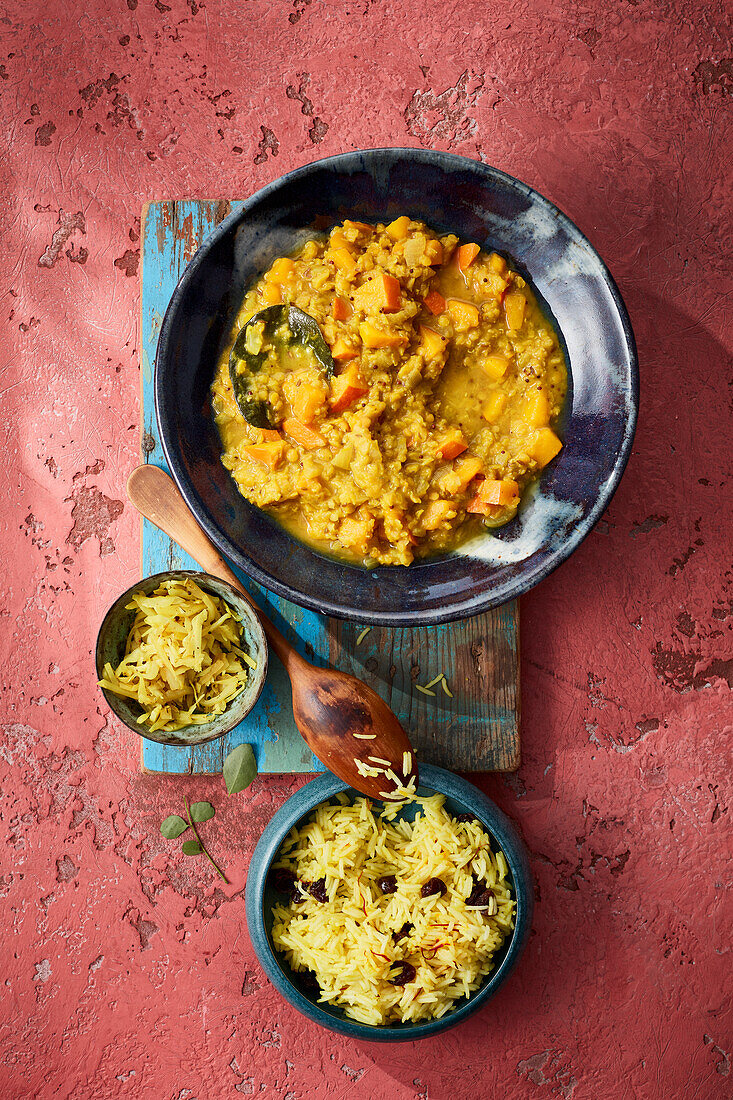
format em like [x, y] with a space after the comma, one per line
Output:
[434, 409]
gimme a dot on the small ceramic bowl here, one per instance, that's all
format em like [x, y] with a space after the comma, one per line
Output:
[112, 639]
[453, 195]
[461, 797]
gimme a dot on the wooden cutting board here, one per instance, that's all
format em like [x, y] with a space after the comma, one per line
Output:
[475, 730]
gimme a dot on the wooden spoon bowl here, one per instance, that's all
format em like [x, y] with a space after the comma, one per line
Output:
[343, 721]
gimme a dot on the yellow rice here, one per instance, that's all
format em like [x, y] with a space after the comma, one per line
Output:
[348, 942]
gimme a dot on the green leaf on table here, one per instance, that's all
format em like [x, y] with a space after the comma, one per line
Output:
[202, 811]
[240, 768]
[191, 848]
[173, 826]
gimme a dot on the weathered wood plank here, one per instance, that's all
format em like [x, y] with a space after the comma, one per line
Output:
[476, 730]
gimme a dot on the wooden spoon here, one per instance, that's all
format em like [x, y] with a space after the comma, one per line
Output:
[333, 711]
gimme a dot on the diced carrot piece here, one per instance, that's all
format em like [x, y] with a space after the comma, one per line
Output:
[467, 253]
[269, 454]
[535, 409]
[347, 388]
[545, 446]
[436, 513]
[341, 309]
[399, 228]
[452, 444]
[434, 253]
[305, 397]
[495, 406]
[344, 261]
[464, 470]
[343, 351]
[435, 302]
[479, 507]
[514, 307]
[302, 434]
[495, 366]
[432, 343]
[374, 337]
[497, 263]
[380, 292]
[464, 314]
[356, 532]
[271, 294]
[280, 270]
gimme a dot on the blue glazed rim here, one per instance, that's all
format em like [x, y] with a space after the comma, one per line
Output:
[461, 797]
[485, 594]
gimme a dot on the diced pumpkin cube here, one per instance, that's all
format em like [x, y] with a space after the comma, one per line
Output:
[341, 309]
[305, 397]
[495, 366]
[362, 227]
[436, 513]
[464, 314]
[494, 407]
[375, 337]
[452, 444]
[355, 532]
[467, 253]
[269, 454]
[344, 261]
[434, 302]
[338, 240]
[535, 409]
[545, 446]
[271, 294]
[431, 342]
[515, 305]
[280, 271]
[380, 292]
[342, 351]
[399, 228]
[347, 388]
[497, 263]
[434, 253]
[504, 491]
[269, 435]
[464, 470]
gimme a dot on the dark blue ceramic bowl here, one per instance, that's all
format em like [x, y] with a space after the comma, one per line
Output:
[480, 204]
[461, 797]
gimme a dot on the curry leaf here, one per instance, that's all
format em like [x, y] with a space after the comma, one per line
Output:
[173, 826]
[240, 768]
[191, 848]
[280, 326]
[202, 811]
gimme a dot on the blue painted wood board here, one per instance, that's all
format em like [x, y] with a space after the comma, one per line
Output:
[476, 730]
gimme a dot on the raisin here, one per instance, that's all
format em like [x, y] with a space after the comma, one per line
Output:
[466, 817]
[387, 884]
[283, 880]
[404, 974]
[404, 931]
[318, 890]
[433, 886]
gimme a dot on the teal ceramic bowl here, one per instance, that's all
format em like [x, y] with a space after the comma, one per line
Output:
[260, 897]
[111, 642]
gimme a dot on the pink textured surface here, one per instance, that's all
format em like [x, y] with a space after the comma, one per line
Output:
[126, 971]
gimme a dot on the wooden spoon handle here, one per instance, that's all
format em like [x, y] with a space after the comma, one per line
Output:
[156, 497]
